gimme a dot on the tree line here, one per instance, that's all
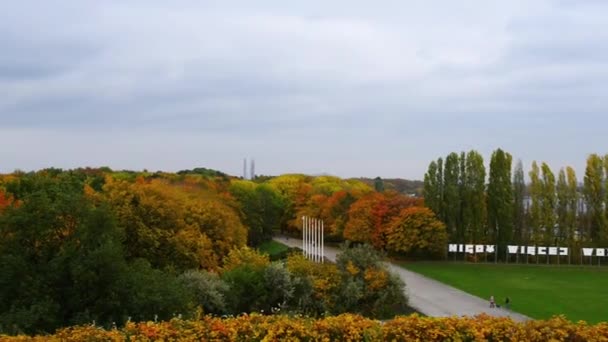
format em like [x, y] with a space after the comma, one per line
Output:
[498, 206]
[96, 245]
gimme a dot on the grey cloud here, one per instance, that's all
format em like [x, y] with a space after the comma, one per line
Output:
[340, 81]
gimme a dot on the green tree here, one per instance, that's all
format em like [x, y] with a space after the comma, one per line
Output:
[378, 184]
[451, 198]
[462, 228]
[440, 186]
[535, 211]
[594, 192]
[474, 198]
[367, 287]
[520, 233]
[567, 208]
[548, 204]
[207, 289]
[500, 199]
[261, 209]
[431, 191]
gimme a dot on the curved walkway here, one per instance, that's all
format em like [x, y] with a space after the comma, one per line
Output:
[429, 296]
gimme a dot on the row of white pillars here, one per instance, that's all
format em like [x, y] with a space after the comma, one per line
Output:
[312, 239]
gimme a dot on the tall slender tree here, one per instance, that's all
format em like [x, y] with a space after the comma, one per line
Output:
[567, 206]
[535, 212]
[431, 191]
[440, 186]
[500, 200]
[573, 207]
[463, 220]
[594, 192]
[520, 233]
[451, 197]
[606, 190]
[563, 205]
[548, 204]
[474, 200]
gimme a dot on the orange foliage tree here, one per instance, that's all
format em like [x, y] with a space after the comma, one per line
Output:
[417, 232]
[368, 217]
[170, 225]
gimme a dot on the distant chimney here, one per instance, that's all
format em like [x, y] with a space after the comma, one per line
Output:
[244, 168]
[252, 171]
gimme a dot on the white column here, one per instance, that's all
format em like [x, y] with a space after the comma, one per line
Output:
[304, 235]
[314, 240]
[322, 242]
[307, 236]
[317, 244]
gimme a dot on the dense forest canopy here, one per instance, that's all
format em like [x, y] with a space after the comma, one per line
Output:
[100, 245]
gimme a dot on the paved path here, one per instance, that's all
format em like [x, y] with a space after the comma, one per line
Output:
[429, 296]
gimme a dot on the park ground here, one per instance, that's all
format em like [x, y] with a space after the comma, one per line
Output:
[578, 292]
[273, 248]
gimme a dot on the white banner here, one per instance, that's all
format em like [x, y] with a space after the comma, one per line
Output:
[599, 252]
[537, 250]
[470, 249]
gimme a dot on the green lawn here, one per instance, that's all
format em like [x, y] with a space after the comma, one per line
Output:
[579, 293]
[272, 248]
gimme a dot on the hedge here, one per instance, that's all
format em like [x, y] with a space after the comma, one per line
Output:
[347, 327]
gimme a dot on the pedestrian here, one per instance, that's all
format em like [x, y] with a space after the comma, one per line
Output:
[492, 302]
[507, 303]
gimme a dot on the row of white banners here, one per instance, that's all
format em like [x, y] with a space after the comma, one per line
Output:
[525, 250]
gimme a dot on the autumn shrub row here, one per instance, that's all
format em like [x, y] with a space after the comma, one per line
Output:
[347, 327]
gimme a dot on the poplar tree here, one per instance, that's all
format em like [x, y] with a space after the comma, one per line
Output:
[594, 192]
[535, 212]
[548, 203]
[500, 199]
[451, 197]
[573, 207]
[440, 209]
[520, 233]
[474, 200]
[562, 207]
[463, 219]
[431, 188]
[567, 206]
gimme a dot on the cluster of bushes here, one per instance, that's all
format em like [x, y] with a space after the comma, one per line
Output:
[249, 282]
[347, 327]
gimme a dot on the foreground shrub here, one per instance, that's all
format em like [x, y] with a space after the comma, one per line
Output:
[347, 327]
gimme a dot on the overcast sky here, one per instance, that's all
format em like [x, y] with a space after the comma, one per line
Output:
[341, 87]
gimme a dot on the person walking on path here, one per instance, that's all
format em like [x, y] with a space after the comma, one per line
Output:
[492, 302]
[507, 303]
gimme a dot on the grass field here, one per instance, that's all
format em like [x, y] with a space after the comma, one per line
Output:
[272, 248]
[579, 293]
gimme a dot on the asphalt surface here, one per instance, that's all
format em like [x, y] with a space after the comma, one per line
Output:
[428, 296]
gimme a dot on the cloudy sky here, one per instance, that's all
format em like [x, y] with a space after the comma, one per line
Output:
[340, 87]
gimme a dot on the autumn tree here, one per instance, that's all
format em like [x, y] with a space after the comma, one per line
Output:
[367, 287]
[171, 226]
[548, 204]
[567, 208]
[417, 232]
[594, 194]
[294, 190]
[369, 217]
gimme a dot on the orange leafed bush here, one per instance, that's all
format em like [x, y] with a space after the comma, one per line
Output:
[347, 327]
